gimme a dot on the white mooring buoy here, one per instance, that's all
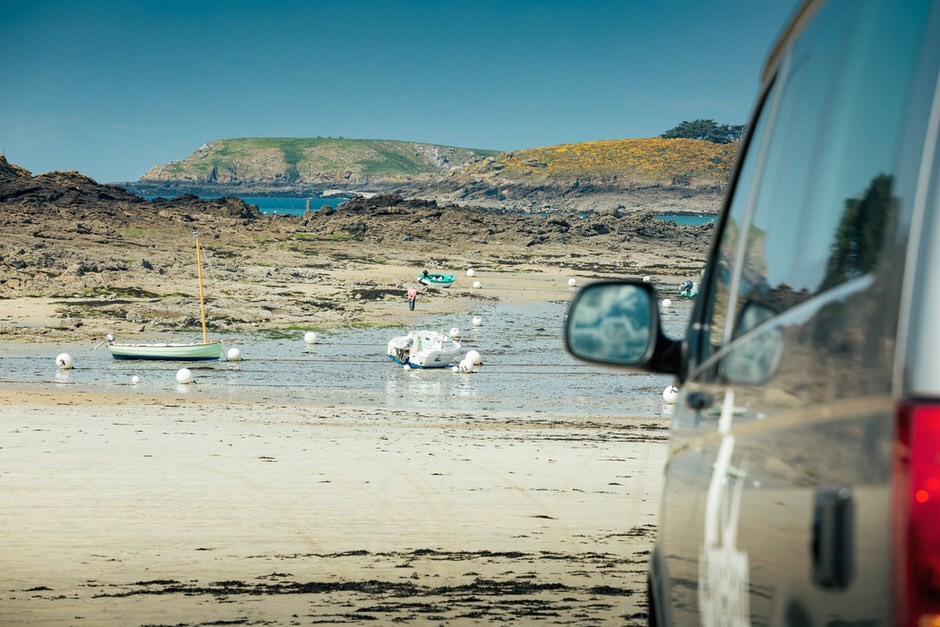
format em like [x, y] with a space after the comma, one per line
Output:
[184, 376]
[477, 321]
[454, 332]
[474, 357]
[233, 354]
[63, 361]
[135, 380]
[647, 279]
[310, 337]
[477, 285]
[470, 272]
[670, 394]
[572, 282]
[667, 303]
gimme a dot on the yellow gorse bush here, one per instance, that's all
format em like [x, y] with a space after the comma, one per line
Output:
[653, 160]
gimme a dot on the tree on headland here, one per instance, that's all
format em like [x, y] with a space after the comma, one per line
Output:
[707, 130]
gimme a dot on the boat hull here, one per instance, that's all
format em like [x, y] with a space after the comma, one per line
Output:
[199, 351]
[437, 280]
[436, 361]
[423, 349]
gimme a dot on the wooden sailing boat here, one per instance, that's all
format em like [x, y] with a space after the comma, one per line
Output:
[194, 351]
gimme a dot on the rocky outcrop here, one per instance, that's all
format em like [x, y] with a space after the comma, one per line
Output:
[559, 196]
[9, 171]
[76, 196]
[390, 218]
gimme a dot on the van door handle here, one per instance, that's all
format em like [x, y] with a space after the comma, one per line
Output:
[832, 541]
[699, 400]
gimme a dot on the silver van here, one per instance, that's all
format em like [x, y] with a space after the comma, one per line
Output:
[803, 479]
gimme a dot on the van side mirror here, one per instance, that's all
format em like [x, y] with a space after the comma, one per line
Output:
[617, 323]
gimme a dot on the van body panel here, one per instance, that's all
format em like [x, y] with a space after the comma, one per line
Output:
[777, 500]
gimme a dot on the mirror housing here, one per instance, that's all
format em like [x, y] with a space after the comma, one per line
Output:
[617, 323]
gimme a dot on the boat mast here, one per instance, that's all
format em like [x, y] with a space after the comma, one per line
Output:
[202, 298]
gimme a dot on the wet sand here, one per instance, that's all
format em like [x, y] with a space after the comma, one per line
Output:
[168, 510]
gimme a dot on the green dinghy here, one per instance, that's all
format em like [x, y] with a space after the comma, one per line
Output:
[439, 280]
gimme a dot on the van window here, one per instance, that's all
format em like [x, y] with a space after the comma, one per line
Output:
[824, 197]
[729, 244]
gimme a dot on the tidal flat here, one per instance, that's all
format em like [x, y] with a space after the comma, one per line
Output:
[323, 484]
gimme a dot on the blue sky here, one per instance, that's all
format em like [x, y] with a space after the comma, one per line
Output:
[113, 88]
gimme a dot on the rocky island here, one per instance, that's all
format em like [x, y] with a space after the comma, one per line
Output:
[679, 175]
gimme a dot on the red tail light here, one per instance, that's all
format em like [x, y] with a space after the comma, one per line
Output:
[917, 516]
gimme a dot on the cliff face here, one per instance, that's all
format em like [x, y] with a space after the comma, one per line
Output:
[302, 163]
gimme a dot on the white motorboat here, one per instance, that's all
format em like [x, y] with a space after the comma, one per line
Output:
[423, 349]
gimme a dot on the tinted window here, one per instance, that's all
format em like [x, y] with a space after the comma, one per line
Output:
[824, 196]
[729, 243]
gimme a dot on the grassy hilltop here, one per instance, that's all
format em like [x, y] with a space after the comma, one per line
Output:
[300, 161]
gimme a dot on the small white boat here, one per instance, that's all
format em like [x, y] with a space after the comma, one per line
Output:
[195, 351]
[423, 349]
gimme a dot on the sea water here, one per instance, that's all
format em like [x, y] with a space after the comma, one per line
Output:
[525, 368]
[292, 206]
[694, 220]
[284, 206]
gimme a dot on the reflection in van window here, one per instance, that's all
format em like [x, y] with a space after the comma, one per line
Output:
[824, 201]
[720, 296]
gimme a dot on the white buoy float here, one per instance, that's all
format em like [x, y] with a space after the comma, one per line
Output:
[470, 272]
[233, 354]
[310, 337]
[455, 369]
[135, 380]
[474, 357]
[670, 394]
[667, 303]
[454, 332]
[184, 376]
[477, 321]
[477, 285]
[647, 279]
[572, 282]
[465, 365]
[63, 361]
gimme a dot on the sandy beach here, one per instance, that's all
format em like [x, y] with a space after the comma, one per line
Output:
[117, 509]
